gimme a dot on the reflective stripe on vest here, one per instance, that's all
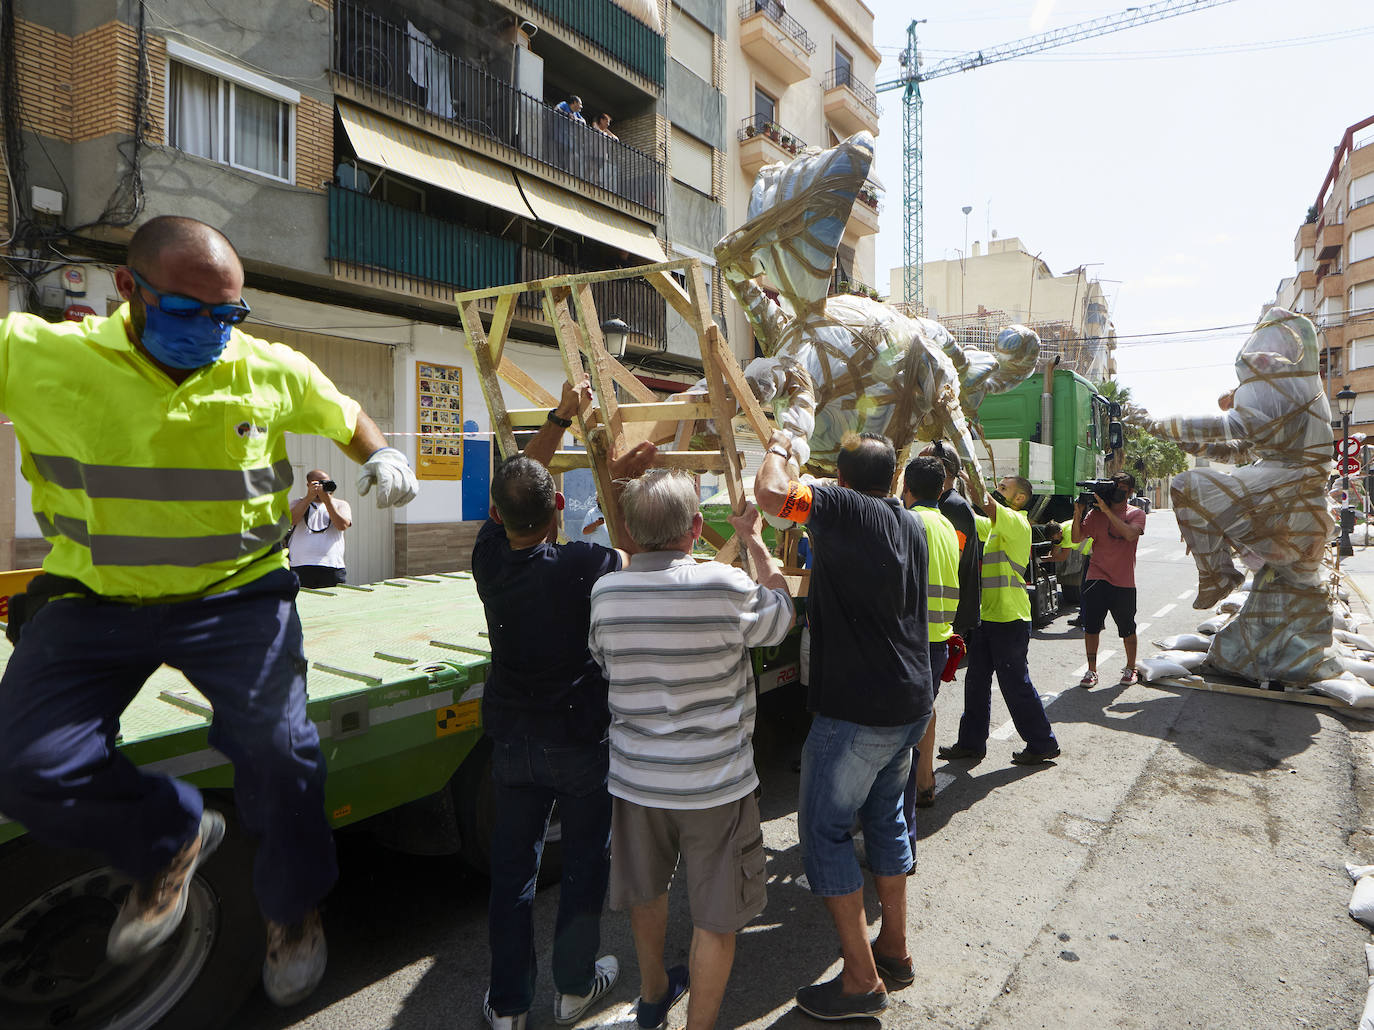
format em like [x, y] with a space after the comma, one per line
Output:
[153, 484]
[1003, 577]
[186, 551]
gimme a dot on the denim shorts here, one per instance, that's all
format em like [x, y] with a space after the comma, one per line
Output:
[851, 771]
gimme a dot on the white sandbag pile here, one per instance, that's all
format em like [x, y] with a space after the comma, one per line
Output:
[1367, 1020]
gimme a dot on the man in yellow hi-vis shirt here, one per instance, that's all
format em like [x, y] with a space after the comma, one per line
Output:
[154, 444]
[1003, 637]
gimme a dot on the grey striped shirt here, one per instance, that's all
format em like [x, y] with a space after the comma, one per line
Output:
[673, 638]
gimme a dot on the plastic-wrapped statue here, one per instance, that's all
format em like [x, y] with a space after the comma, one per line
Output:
[1272, 513]
[845, 364]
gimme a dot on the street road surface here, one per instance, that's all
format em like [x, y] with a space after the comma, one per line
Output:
[1180, 866]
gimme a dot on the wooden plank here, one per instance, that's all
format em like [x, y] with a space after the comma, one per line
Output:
[630, 382]
[1294, 697]
[564, 461]
[500, 326]
[670, 291]
[734, 375]
[487, 378]
[524, 382]
[576, 279]
[587, 330]
[730, 552]
[666, 410]
[712, 537]
[693, 461]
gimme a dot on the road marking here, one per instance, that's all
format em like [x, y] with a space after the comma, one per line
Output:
[1164, 611]
[1144, 552]
[1141, 627]
[1185, 595]
[1005, 731]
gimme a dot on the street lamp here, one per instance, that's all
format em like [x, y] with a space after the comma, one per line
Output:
[616, 333]
[1345, 403]
[963, 265]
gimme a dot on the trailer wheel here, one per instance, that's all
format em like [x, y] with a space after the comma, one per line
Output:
[473, 799]
[56, 911]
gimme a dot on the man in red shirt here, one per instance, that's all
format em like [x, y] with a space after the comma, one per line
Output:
[1115, 529]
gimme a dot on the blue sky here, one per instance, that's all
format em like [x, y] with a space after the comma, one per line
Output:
[1175, 159]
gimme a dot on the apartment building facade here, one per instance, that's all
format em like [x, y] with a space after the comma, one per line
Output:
[977, 296]
[368, 158]
[802, 73]
[1333, 283]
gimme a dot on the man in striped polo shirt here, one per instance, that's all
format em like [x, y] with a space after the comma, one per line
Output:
[673, 637]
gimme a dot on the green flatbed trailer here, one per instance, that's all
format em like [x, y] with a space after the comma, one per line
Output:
[395, 684]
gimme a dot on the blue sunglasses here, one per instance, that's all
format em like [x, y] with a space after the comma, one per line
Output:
[181, 306]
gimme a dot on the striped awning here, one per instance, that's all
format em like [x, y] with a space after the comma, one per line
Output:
[588, 218]
[398, 147]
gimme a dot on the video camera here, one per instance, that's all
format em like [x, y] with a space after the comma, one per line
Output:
[1104, 488]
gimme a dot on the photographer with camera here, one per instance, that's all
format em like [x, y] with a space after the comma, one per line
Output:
[1114, 527]
[316, 544]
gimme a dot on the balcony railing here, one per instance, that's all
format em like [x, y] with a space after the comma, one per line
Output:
[758, 125]
[774, 12]
[850, 287]
[379, 55]
[390, 241]
[612, 29]
[633, 301]
[870, 196]
[845, 77]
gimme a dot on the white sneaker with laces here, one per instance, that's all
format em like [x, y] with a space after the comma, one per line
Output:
[569, 1008]
[501, 1022]
[1089, 679]
[1128, 676]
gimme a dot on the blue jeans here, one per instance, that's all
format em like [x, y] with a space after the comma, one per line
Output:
[527, 778]
[1001, 647]
[850, 770]
[77, 666]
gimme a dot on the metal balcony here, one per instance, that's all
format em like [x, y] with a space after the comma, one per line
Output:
[763, 142]
[775, 40]
[611, 29]
[380, 57]
[848, 103]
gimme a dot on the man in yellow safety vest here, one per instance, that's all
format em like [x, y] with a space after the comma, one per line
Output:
[1002, 639]
[154, 441]
[922, 482]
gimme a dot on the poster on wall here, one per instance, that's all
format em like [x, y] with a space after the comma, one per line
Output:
[439, 420]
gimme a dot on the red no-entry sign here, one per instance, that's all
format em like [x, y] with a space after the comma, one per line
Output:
[1350, 447]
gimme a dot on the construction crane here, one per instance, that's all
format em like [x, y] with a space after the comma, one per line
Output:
[913, 75]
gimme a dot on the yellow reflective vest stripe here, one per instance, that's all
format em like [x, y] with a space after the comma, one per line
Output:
[942, 545]
[1006, 560]
[147, 489]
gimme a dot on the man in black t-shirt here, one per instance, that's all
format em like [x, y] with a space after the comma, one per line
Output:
[544, 709]
[871, 694]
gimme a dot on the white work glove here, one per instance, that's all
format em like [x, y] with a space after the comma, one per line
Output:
[391, 473]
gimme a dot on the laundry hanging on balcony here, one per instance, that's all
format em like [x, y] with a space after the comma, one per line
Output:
[429, 68]
[642, 10]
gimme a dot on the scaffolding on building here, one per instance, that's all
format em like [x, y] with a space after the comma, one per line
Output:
[1086, 355]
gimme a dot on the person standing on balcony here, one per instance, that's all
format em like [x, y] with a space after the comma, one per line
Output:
[572, 108]
[569, 156]
[603, 125]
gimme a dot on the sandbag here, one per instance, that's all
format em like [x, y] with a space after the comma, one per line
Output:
[1152, 669]
[1353, 639]
[1214, 624]
[1232, 603]
[1367, 1020]
[1362, 900]
[1190, 660]
[1359, 666]
[1348, 688]
[1184, 642]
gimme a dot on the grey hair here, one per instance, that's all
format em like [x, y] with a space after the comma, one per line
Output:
[659, 507]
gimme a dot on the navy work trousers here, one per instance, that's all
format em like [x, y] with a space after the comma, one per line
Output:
[1001, 647]
[79, 663]
[527, 778]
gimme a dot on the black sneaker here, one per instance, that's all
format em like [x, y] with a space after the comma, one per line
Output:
[894, 971]
[654, 1015]
[958, 751]
[1029, 757]
[828, 1001]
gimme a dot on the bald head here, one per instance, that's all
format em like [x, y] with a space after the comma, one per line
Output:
[167, 236]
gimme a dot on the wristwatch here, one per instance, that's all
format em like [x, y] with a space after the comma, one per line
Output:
[559, 420]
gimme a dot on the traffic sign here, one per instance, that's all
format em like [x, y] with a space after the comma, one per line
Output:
[1349, 466]
[1350, 447]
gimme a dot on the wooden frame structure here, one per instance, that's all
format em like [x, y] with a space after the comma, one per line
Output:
[610, 428]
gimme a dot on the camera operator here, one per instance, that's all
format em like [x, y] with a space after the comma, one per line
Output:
[316, 545]
[1115, 528]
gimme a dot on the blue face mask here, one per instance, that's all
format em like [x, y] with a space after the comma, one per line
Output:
[183, 342]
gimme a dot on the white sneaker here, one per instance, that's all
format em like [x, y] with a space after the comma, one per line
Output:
[501, 1022]
[296, 957]
[569, 1008]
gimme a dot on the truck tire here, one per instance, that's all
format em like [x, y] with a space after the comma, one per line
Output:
[472, 797]
[55, 912]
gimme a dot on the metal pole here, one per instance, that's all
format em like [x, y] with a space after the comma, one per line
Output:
[1344, 549]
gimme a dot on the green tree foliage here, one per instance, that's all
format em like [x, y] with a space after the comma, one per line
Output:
[1153, 456]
